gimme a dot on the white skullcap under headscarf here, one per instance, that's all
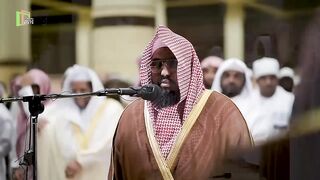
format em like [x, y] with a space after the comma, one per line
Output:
[69, 69]
[286, 72]
[211, 61]
[233, 64]
[81, 73]
[265, 66]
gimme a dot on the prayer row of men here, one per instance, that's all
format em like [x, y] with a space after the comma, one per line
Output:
[187, 133]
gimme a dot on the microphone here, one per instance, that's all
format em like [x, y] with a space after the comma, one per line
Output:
[148, 92]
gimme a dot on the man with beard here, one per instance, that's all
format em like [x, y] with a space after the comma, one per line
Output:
[188, 131]
[233, 80]
[271, 104]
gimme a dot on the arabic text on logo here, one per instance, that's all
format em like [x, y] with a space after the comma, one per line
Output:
[23, 18]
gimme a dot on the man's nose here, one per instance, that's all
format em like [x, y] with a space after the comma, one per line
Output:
[231, 79]
[268, 81]
[165, 71]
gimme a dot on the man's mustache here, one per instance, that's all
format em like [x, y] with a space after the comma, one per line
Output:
[231, 85]
[166, 79]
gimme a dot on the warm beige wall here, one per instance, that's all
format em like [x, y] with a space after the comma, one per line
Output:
[14, 41]
[7, 72]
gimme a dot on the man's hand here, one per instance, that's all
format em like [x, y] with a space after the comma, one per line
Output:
[18, 174]
[72, 169]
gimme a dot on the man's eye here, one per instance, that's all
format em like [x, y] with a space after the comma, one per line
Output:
[159, 64]
[156, 64]
[173, 64]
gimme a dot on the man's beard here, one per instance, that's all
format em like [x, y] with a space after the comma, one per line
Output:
[231, 94]
[166, 98]
[231, 90]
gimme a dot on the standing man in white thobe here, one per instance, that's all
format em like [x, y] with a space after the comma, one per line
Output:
[271, 104]
[80, 133]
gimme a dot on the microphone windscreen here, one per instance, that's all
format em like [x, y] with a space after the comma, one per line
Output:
[150, 92]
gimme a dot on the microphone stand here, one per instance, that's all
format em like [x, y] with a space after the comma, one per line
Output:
[36, 107]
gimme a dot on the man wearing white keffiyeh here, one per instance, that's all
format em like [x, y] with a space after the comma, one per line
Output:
[77, 140]
[169, 137]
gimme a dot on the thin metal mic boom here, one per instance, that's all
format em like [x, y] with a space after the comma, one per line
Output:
[148, 92]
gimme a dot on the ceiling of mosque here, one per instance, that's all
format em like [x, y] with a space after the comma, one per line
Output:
[278, 8]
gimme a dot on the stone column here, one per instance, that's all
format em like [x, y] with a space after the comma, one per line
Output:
[234, 30]
[121, 31]
[14, 40]
[84, 39]
[161, 12]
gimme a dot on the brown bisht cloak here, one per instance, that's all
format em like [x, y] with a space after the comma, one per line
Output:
[218, 131]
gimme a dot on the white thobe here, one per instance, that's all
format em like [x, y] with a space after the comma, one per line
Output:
[268, 117]
[66, 138]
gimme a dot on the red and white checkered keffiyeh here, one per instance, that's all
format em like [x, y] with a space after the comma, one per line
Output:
[166, 121]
